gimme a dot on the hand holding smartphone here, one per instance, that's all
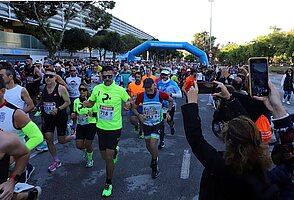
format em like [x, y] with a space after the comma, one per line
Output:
[258, 76]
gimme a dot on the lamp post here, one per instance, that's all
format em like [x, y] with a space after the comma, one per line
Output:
[210, 24]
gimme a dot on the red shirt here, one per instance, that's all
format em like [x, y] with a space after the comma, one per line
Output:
[162, 96]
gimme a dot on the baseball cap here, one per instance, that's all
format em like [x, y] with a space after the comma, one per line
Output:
[165, 71]
[57, 65]
[148, 82]
[48, 62]
[188, 70]
[38, 62]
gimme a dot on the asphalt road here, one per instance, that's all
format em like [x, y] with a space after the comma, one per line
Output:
[132, 176]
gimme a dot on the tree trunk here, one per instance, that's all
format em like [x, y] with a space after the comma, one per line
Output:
[113, 56]
[90, 49]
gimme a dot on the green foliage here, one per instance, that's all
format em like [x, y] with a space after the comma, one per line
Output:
[130, 42]
[40, 11]
[71, 43]
[277, 46]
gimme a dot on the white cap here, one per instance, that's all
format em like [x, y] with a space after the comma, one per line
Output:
[165, 71]
[57, 65]
[188, 70]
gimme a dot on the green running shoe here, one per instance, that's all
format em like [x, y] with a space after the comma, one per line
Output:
[107, 190]
[37, 114]
[90, 163]
[116, 155]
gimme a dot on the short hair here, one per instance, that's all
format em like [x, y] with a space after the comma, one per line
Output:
[107, 68]
[138, 73]
[29, 58]
[9, 69]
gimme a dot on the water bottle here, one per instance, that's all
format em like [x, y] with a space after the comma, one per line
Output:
[185, 170]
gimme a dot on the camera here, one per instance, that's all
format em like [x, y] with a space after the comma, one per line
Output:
[258, 74]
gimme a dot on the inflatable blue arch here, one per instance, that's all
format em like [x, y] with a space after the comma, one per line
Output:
[168, 45]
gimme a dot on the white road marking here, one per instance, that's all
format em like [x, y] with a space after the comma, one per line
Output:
[185, 170]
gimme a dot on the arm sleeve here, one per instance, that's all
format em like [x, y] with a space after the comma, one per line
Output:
[178, 93]
[34, 134]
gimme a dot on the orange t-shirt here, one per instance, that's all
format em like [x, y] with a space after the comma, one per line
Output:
[135, 89]
[151, 76]
[189, 83]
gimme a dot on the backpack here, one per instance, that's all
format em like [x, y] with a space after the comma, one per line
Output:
[264, 127]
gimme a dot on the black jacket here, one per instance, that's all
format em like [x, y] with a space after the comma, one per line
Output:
[218, 182]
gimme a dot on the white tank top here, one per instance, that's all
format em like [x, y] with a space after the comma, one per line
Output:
[7, 111]
[13, 96]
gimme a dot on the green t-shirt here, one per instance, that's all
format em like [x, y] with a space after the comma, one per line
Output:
[109, 103]
[174, 78]
[82, 113]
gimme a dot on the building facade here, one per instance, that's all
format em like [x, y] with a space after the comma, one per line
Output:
[15, 45]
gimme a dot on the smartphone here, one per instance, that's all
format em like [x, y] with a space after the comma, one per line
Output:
[258, 76]
[207, 87]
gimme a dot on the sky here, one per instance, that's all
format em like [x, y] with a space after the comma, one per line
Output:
[237, 21]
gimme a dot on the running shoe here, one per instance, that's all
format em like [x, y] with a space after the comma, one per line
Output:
[54, 166]
[107, 190]
[172, 130]
[141, 135]
[161, 145]
[29, 170]
[37, 114]
[42, 147]
[288, 102]
[116, 155]
[155, 170]
[90, 163]
[126, 108]
[35, 193]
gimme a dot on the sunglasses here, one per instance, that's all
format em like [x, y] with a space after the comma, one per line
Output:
[46, 66]
[83, 89]
[48, 75]
[73, 70]
[107, 76]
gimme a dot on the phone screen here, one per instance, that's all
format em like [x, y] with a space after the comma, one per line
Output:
[258, 68]
[206, 87]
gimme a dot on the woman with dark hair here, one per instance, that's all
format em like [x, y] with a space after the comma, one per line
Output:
[240, 172]
[287, 85]
[86, 124]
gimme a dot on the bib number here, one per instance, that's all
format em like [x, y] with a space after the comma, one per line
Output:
[48, 106]
[83, 119]
[30, 79]
[106, 112]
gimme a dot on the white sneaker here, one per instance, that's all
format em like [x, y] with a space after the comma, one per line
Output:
[283, 100]
[288, 102]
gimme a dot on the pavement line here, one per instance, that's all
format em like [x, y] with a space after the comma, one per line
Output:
[185, 170]
[35, 153]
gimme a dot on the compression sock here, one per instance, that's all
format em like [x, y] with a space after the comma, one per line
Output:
[90, 155]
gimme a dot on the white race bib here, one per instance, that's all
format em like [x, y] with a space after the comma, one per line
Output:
[30, 79]
[83, 119]
[106, 112]
[48, 106]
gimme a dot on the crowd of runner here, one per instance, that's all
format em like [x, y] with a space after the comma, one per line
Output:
[83, 99]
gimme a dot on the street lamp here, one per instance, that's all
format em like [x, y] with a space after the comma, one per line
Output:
[210, 24]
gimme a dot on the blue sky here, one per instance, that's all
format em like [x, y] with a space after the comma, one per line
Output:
[236, 21]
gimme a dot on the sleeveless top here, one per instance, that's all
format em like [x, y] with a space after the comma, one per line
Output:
[29, 74]
[52, 101]
[7, 111]
[152, 110]
[13, 96]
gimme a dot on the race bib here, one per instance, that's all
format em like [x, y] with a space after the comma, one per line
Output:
[48, 106]
[152, 114]
[30, 79]
[106, 112]
[83, 119]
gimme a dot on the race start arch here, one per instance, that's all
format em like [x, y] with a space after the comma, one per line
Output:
[168, 45]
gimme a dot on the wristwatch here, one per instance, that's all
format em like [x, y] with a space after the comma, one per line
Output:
[15, 177]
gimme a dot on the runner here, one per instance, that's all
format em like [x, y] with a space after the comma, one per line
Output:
[15, 94]
[172, 89]
[152, 118]
[108, 97]
[55, 100]
[134, 89]
[86, 125]
[95, 77]
[10, 145]
[148, 74]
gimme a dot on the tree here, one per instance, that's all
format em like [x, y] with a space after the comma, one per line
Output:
[112, 42]
[41, 11]
[71, 43]
[201, 40]
[130, 42]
